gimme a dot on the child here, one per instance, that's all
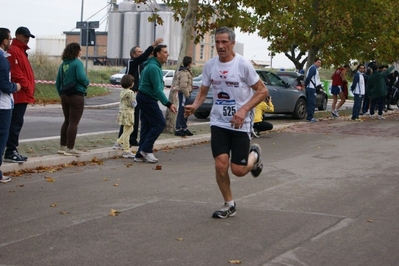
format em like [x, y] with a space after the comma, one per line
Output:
[126, 115]
[260, 124]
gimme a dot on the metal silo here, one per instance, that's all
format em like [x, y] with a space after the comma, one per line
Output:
[175, 40]
[115, 29]
[126, 6]
[146, 32]
[130, 32]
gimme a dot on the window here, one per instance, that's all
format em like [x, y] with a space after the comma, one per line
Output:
[212, 51]
[202, 52]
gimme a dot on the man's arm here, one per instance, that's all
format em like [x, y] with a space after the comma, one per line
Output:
[309, 76]
[261, 92]
[201, 96]
[17, 75]
[144, 56]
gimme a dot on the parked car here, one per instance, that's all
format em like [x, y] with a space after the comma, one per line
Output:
[298, 81]
[168, 77]
[115, 79]
[286, 99]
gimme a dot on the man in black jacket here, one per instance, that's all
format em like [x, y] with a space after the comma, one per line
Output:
[134, 68]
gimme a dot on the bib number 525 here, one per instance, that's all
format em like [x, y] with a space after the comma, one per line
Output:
[229, 110]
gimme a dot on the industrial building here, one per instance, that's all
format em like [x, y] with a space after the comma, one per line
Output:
[128, 26]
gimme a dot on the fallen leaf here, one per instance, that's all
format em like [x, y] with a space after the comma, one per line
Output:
[115, 184]
[179, 239]
[158, 167]
[114, 212]
[64, 212]
[369, 221]
[49, 179]
[11, 191]
[234, 261]
[20, 185]
[128, 165]
[53, 205]
[105, 179]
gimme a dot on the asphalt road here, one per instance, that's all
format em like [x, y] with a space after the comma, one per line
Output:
[328, 195]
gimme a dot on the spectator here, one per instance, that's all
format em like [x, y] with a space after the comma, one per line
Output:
[366, 99]
[237, 89]
[338, 85]
[358, 90]
[260, 124]
[127, 103]
[7, 88]
[377, 91]
[134, 67]
[184, 85]
[22, 73]
[311, 82]
[71, 71]
[150, 92]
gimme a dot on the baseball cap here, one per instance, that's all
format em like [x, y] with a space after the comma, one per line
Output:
[24, 31]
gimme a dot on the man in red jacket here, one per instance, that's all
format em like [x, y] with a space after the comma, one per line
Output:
[22, 73]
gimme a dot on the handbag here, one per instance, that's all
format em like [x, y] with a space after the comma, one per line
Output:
[70, 88]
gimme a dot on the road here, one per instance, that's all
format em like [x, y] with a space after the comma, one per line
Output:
[46, 121]
[328, 195]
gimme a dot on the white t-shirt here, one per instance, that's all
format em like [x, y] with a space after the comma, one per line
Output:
[231, 89]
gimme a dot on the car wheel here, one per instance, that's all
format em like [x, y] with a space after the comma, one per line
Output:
[201, 115]
[300, 109]
[324, 105]
[113, 82]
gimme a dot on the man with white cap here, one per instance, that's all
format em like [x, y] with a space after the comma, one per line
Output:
[22, 73]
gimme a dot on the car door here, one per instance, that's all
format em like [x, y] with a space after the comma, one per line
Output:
[274, 87]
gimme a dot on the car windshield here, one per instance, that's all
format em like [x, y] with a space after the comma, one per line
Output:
[288, 79]
[275, 80]
[199, 78]
[164, 72]
[123, 71]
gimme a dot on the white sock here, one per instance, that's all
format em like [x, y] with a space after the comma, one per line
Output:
[230, 203]
[256, 155]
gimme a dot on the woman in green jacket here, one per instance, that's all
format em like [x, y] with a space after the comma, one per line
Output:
[71, 74]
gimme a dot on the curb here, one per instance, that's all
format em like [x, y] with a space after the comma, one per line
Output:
[102, 106]
[107, 153]
[99, 154]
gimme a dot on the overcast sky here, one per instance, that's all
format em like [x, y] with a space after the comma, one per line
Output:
[53, 17]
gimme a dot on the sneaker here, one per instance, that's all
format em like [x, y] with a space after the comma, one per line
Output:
[372, 116]
[357, 120]
[380, 117]
[128, 154]
[334, 113]
[149, 157]
[61, 150]
[258, 165]
[180, 133]
[187, 132]
[15, 157]
[225, 211]
[117, 146]
[72, 152]
[254, 133]
[5, 179]
[312, 120]
[139, 159]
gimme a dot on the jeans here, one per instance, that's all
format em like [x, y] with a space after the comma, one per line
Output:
[17, 121]
[311, 102]
[72, 107]
[181, 121]
[380, 104]
[5, 118]
[356, 105]
[152, 122]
